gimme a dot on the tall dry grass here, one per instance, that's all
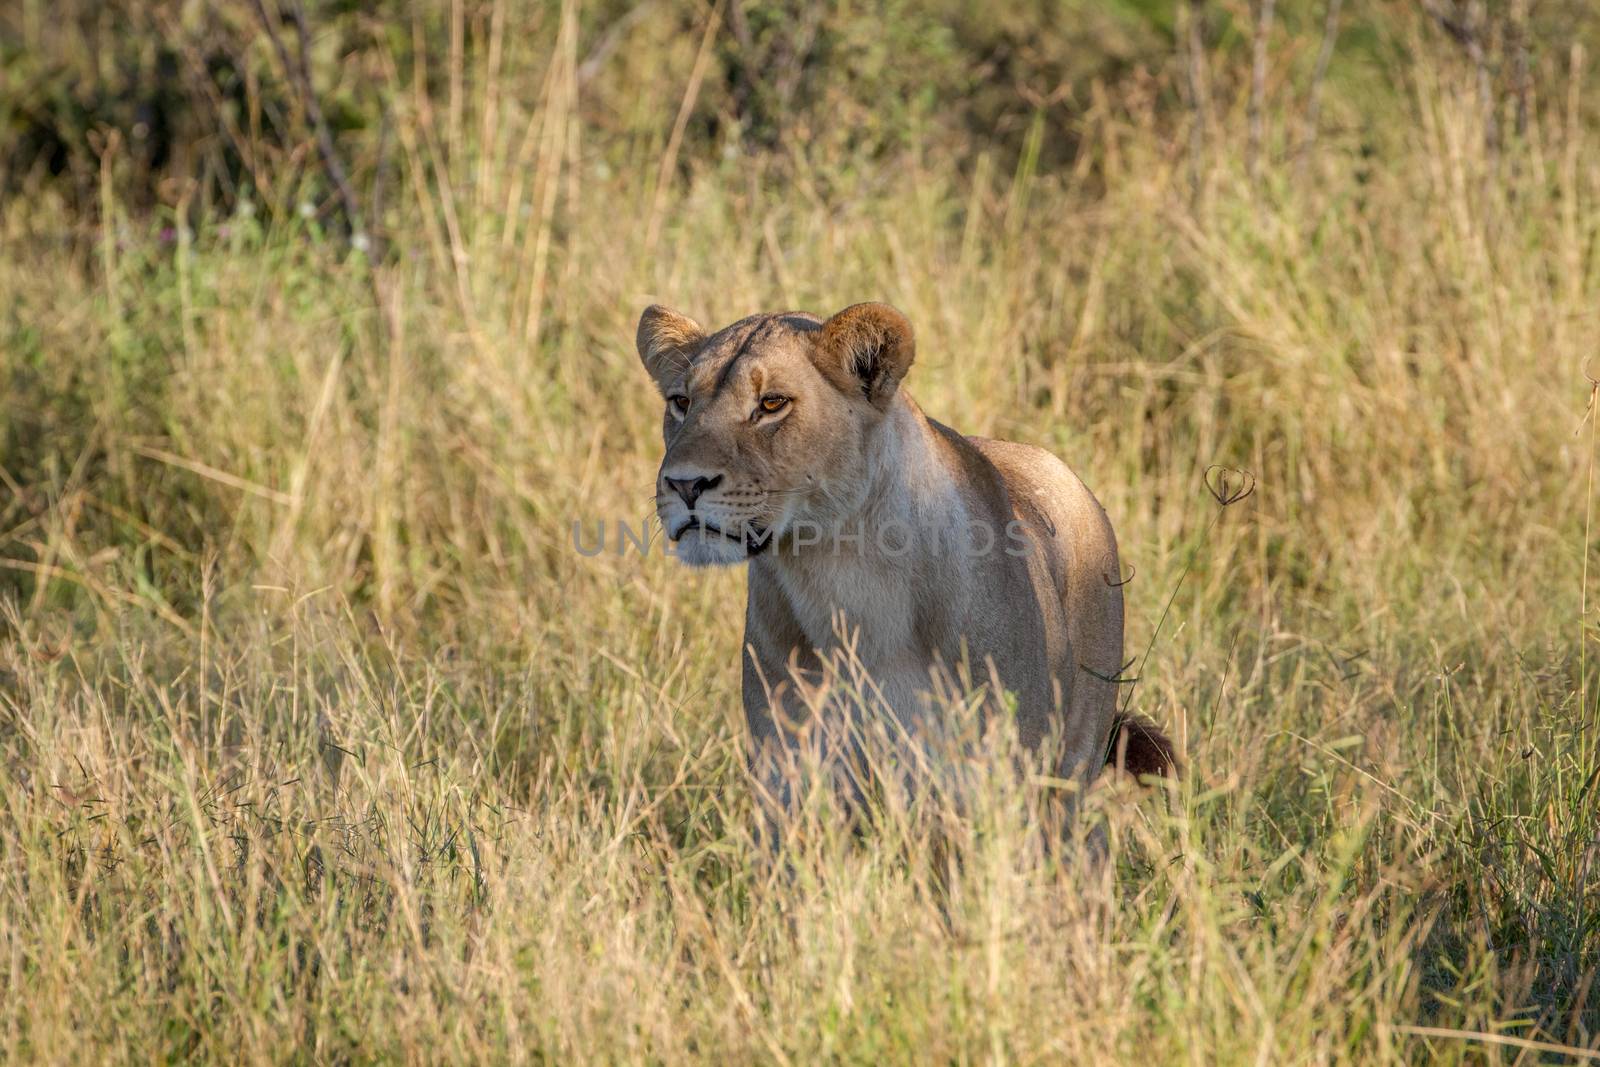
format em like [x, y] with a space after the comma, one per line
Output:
[322, 743]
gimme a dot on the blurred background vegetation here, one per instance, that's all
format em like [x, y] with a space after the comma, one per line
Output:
[196, 108]
[316, 328]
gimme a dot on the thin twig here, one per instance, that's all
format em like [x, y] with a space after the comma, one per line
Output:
[205, 470]
[1258, 86]
[1118, 677]
[1523, 81]
[1508, 1040]
[1469, 35]
[1227, 486]
[669, 156]
[794, 65]
[1583, 584]
[1330, 36]
[744, 83]
[300, 74]
[378, 172]
[1120, 582]
[596, 59]
[1198, 99]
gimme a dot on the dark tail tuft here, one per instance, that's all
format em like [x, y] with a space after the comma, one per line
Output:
[1139, 747]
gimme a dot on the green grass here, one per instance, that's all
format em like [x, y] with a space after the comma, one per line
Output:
[319, 742]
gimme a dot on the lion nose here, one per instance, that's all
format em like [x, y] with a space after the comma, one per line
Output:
[691, 488]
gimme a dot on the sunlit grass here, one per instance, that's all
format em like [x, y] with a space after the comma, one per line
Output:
[320, 742]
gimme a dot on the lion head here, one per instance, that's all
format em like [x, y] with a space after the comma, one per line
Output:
[769, 423]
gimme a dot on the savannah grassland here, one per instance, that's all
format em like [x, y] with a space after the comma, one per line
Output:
[320, 743]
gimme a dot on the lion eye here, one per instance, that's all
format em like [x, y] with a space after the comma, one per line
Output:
[679, 401]
[772, 402]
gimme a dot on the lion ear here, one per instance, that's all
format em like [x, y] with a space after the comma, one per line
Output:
[666, 342]
[867, 347]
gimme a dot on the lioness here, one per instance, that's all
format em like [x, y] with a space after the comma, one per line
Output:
[791, 446]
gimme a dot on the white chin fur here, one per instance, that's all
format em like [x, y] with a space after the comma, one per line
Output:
[698, 548]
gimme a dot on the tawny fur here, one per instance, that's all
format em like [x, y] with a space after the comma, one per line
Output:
[847, 452]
